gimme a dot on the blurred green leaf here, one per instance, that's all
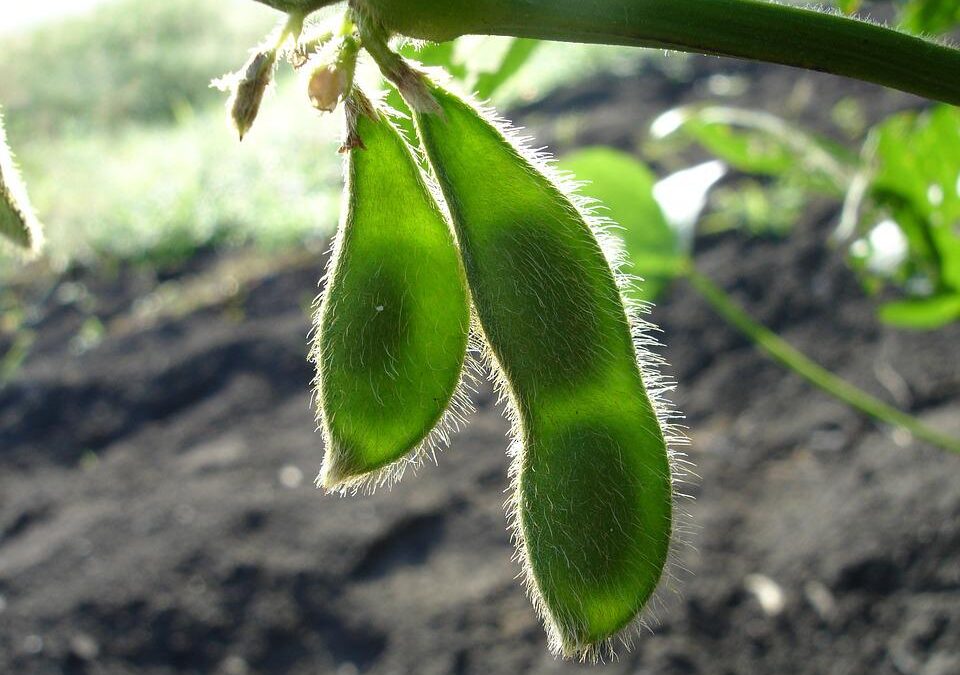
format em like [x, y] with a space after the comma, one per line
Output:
[917, 180]
[755, 208]
[922, 313]
[848, 6]
[441, 54]
[624, 186]
[515, 57]
[482, 63]
[757, 142]
[12, 360]
[850, 117]
[930, 16]
[747, 151]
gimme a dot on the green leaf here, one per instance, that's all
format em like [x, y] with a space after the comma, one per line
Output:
[515, 57]
[483, 64]
[848, 6]
[917, 180]
[442, 54]
[930, 16]
[760, 143]
[624, 186]
[922, 313]
[746, 151]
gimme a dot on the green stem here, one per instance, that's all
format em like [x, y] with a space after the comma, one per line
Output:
[748, 29]
[781, 351]
[301, 6]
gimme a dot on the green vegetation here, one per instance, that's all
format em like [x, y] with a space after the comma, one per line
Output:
[121, 137]
[391, 333]
[127, 63]
[122, 142]
[152, 173]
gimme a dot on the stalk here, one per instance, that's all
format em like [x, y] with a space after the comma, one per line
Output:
[748, 29]
[301, 6]
[779, 350]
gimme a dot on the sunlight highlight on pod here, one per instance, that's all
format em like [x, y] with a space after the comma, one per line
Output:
[592, 500]
[392, 328]
[18, 223]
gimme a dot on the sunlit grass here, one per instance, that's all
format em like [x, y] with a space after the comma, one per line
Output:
[159, 191]
[126, 151]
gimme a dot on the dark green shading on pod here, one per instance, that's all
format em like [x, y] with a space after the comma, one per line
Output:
[593, 493]
[394, 320]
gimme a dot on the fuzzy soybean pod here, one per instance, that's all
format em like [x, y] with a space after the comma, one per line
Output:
[393, 325]
[18, 224]
[592, 502]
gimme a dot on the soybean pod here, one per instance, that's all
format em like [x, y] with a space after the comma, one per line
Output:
[592, 496]
[393, 324]
[18, 224]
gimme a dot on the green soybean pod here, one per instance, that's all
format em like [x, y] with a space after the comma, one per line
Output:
[18, 224]
[593, 492]
[393, 324]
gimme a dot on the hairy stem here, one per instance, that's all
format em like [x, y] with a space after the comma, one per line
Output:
[748, 29]
[779, 350]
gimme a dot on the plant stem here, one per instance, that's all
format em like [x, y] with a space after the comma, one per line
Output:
[748, 29]
[781, 351]
[303, 6]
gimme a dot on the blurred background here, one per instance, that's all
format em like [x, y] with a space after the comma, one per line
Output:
[157, 443]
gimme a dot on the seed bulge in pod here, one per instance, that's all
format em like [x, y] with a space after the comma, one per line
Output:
[593, 493]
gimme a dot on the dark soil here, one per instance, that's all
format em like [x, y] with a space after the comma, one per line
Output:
[157, 512]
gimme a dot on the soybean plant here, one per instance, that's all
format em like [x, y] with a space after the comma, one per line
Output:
[595, 469]
[505, 245]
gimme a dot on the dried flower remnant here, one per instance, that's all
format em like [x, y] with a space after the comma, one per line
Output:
[247, 87]
[331, 75]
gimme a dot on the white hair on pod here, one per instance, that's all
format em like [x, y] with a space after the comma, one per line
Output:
[657, 385]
